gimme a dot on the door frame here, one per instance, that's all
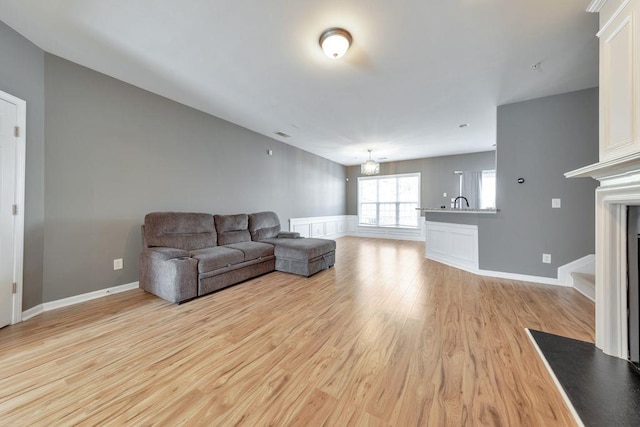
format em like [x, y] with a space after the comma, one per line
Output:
[18, 245]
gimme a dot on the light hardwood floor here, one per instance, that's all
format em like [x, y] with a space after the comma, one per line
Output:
[385, 337]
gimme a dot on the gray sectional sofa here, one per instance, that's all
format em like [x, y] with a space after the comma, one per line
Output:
[186, 255]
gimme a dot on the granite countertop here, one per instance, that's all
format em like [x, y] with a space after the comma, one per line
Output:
[460, 210]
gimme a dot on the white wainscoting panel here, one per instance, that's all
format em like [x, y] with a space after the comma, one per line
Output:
[354, 229]
[352, 224]
[317, 229]
[330, 227]
[333, 227]
[452, 244]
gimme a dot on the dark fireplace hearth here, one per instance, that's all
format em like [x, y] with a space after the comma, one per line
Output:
[602, 390]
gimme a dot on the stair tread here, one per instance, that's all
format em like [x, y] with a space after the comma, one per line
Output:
[585, 277]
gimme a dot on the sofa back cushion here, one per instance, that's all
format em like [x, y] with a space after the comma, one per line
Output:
[264, 225]
[182, 230]
[232, 228]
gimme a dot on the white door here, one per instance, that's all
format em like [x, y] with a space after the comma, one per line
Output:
[8, 141]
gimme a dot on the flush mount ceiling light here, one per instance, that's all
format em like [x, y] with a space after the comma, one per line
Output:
[370, 167]
[335, 42]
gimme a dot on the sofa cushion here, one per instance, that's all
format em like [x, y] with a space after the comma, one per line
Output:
[252, 250]
[232, 228]
[264, 225]
[181, 230]
[210, 259]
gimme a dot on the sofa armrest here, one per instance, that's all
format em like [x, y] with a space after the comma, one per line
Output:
[288, 235]
[169, 273]
[163, 254]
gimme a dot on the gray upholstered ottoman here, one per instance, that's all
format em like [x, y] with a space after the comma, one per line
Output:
[305, 257]
[293, 255]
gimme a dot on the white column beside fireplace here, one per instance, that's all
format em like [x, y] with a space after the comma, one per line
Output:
[619, 188]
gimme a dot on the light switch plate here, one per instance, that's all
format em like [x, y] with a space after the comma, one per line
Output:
[556, 203]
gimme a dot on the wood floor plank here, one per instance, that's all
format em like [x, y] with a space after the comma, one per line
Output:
[384, 338]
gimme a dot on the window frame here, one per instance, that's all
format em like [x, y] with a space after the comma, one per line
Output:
[396, 202]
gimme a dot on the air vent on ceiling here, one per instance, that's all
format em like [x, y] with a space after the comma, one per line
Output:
[282, 134]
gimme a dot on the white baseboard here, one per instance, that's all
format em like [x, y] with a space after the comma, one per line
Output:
[64, 302]
[501, 274]
[521, 277]
[32, 312]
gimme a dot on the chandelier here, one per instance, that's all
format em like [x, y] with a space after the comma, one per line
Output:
[370, 167]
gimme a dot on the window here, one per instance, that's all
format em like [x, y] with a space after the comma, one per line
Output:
[488, 194]
[389, 200]
[479, 188]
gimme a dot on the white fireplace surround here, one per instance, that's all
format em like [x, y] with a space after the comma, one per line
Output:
[619, 188]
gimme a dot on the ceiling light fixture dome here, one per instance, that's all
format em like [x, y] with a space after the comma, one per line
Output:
[335, 42]
[370, 167]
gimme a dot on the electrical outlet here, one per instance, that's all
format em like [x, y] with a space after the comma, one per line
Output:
[117, 264]
[444, 194]
[546, 258]
[556, 203]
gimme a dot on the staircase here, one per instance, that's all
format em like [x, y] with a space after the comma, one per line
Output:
[585, 283]
[581, 275]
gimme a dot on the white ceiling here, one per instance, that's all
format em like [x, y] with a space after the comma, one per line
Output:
[416, 70]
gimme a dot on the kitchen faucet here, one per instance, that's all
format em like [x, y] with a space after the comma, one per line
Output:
[456, 201]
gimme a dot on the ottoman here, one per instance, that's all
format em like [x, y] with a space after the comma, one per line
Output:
[305, 256]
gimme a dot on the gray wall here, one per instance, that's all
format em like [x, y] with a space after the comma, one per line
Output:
[437, 176]
[115, 152]
[540, 140]
[22, 75]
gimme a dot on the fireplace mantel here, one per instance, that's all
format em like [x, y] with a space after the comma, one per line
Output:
[619, 188]
[609, 170]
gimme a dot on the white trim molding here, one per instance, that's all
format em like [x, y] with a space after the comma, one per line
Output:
[612, 18]
[76, 299]
[595, 6]
[619, 188]
[611, 267]
[32, 312]
[520, 277]
[21, 149]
